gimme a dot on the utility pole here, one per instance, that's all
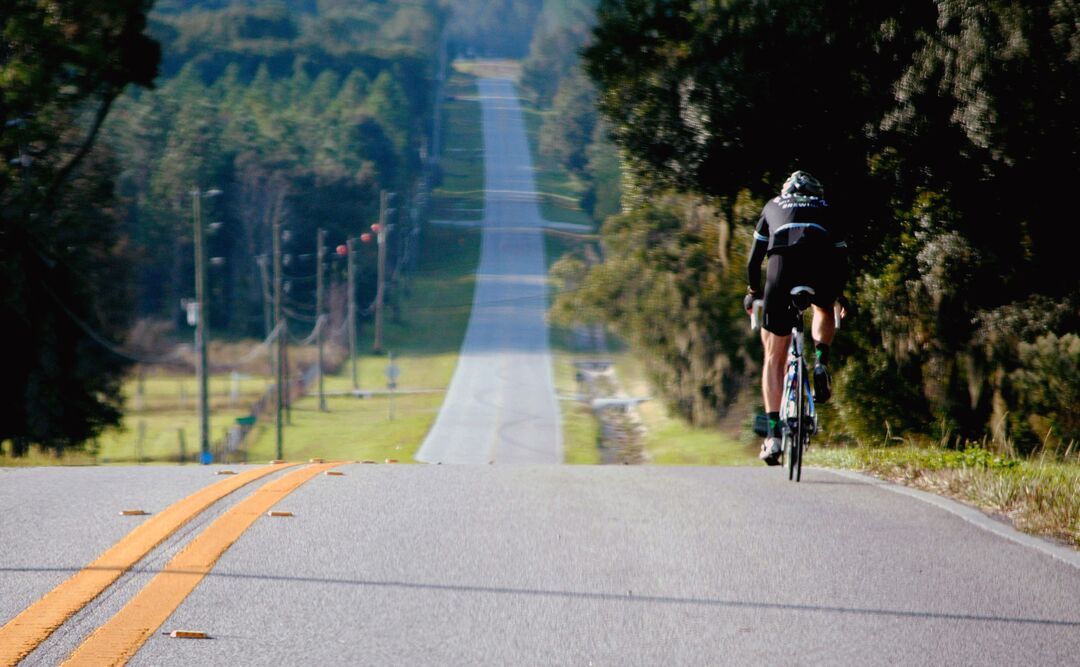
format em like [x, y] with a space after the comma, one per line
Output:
[380, 291]
[279, 325]
[264, 282]
[320, 238]
[352, 314]
[201, 374]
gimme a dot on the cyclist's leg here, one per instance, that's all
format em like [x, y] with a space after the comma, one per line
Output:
[827, 279]
[823, 327]
[775, 336]
[772, 373]
[776, 329]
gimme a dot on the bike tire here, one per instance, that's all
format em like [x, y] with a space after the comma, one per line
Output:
[795, 467]
[789, 454]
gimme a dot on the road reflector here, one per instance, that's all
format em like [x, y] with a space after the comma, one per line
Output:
[226, 472]
[133, 513]
[279, 514]
[391, 460]
[316, 460]
[276, 462]
[187, 634]
[334, 473]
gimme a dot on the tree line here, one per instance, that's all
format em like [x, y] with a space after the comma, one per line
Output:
[112, 114]
[573, 134]
[946, 132]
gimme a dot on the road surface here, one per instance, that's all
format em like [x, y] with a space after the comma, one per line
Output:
[514, 564]
[551, 565]
[501, 405]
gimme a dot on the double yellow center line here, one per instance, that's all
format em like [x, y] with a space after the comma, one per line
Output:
[119, 639]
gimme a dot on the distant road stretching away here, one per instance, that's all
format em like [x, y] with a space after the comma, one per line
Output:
[501, 405]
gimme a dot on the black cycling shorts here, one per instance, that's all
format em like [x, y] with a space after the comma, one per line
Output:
[820, 269]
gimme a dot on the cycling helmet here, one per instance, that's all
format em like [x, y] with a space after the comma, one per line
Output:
[802, 183]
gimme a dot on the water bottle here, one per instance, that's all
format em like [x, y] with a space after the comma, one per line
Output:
[836, 313]
[757, 312]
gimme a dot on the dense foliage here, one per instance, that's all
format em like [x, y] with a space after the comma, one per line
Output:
[62, 265]
[947, 132]
[573, 133]
[302, 115]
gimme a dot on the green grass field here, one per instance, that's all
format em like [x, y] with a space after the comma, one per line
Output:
[161, 423]
[424, 339]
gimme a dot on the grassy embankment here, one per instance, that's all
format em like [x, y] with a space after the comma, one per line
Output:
[1038, 495]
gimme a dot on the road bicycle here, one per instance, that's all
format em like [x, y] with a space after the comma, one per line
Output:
[798, 420]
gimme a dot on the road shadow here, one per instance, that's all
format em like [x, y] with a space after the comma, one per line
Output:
[621, 598]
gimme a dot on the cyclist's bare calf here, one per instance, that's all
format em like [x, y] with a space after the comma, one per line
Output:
[823, 329]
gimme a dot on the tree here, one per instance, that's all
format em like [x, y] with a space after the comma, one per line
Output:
[931, 124]
[568, 131]
[62, 257]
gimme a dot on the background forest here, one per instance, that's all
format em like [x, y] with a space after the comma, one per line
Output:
[297, 111]
[946, 132]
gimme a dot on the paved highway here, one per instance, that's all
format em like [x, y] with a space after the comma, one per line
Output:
[501, 405]
[514, 564]
[538, 565]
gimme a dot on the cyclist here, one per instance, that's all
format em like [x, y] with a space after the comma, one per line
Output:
[800, 237]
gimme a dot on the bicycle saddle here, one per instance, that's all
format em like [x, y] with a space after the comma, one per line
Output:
[801, 295]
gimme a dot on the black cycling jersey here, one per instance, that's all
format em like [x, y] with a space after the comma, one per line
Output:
[791, 222]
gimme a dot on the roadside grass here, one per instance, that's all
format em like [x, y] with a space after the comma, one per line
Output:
[36, 458]
[165, 429]
[424, 338]
[560, 193]
[1040, 495]
[460, 193]
[671, 440]
[580, 427]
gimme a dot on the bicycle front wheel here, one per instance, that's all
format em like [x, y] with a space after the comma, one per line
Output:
[790, 454]
[799, 435]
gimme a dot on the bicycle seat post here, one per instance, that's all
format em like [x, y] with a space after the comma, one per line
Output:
[801, 297]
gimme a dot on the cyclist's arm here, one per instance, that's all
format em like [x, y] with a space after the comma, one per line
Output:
[757, 254]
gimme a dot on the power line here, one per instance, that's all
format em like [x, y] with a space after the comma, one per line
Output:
[101, 340]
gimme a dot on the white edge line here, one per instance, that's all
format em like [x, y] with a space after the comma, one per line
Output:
[971, 515]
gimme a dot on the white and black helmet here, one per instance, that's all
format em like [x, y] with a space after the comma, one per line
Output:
[802, 183]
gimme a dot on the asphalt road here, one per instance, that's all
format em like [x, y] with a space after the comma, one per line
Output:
[536, 564]
[501, 405]
[541, 565]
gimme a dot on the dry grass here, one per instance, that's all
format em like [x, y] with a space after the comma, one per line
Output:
[1040, 496]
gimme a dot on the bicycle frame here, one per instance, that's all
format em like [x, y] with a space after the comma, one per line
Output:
[788, 408]
[798, 399]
